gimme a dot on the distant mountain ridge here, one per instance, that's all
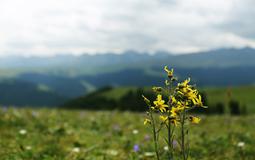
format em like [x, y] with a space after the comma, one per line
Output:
[65, 76]
[69, 65]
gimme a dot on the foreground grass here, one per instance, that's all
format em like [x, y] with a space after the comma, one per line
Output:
[59, 134]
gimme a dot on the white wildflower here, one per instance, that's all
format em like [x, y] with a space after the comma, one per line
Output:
[28, 147]
[149, 154]
[22, 132]
[240, 144]
[76, 149]
[135, 131]
[112, 152]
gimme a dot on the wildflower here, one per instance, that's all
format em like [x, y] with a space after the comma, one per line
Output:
[146, 100]
[167, 83]
[186, 90]
[136, 148]
[175, 143]
[175, 111]
[240, 144]
[169, 72]
[183, 97]
[199, 102]
[174, 121]
[112, 152]
[182, 105]
[149, 154]
[160, 104]
[157, 89]
[146, 121]
[194, 119]
[22, 132]
[172, 100]
[163, 118]
[135, 131]
[185, 82]
[192, 95]
[76, 149]
[166, 148]
[28, 147]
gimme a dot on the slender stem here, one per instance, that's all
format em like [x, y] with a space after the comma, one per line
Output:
[170, 139]
[188, 149]
[155, 139]
[170, 133]
[183, 136]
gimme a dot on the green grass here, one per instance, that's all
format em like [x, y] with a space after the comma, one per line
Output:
[117, 93]
[243, 94]
[57, 134]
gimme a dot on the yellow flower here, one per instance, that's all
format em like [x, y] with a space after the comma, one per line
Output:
[163, 118]
[160, 104]
[188, 92]
[186, 82]
[157, 89]
[172, 100]
[191, 94]
[194, 119]
[146, 121]
[174, 121]
[199, 102]
[180, 106]
[147, 101]
[169, 72]
[167, 83]
[174, 111]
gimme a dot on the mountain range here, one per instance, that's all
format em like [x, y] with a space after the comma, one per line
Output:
[64, 77]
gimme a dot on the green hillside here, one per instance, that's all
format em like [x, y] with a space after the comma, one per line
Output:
[20, 93]
[244, 95]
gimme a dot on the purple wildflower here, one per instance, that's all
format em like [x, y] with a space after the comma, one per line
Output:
[136, 148]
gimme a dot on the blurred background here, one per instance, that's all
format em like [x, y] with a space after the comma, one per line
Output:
[102, 54]
[72, 74]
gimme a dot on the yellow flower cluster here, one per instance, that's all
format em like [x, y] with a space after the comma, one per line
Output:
[189, 94]
[173, 112]
[183, 98]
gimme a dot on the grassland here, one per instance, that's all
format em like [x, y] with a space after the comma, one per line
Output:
[244, 95]
[51, 134]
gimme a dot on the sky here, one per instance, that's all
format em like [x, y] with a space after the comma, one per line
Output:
[49, 27]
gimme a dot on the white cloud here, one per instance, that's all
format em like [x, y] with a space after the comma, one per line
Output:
[47, 27]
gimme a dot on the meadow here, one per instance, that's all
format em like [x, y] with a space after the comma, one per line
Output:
[57, 134]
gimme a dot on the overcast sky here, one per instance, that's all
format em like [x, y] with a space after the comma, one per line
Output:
[48, 27]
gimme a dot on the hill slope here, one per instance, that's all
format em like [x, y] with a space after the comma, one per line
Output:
[20, 93]
[130, 97]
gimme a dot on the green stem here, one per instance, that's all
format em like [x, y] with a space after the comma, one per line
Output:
[170, 133]
[183, 136]
[155, 139]
[170, 148]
